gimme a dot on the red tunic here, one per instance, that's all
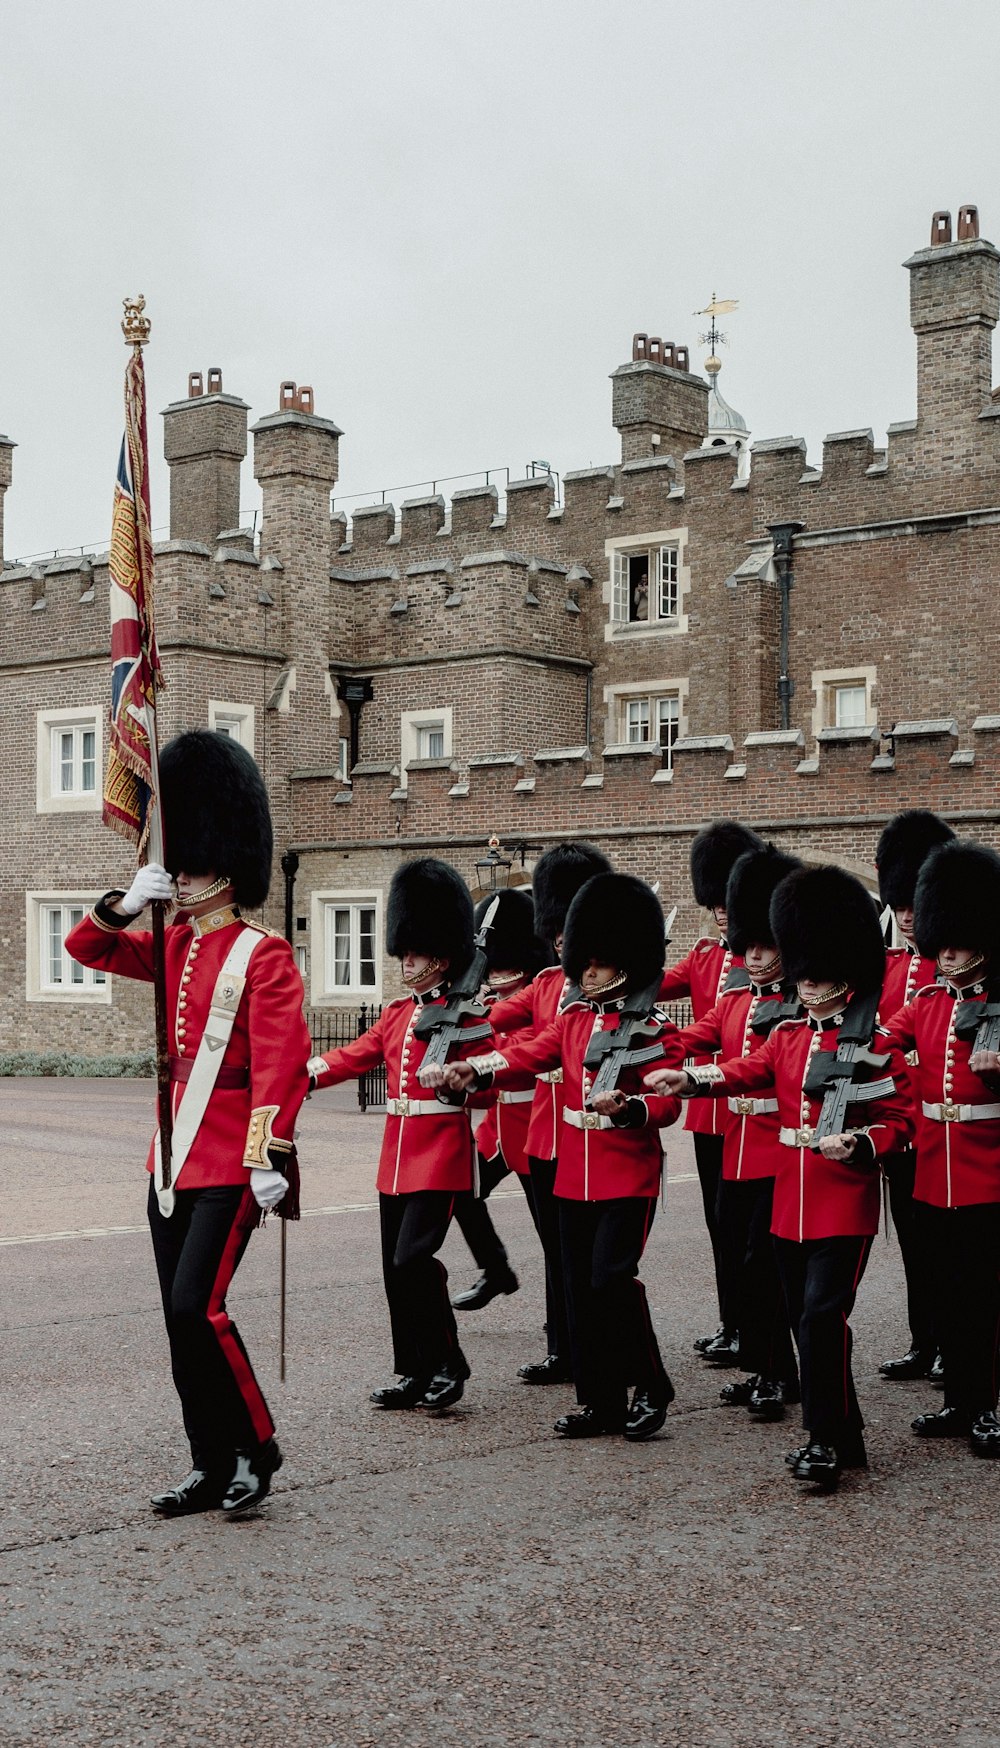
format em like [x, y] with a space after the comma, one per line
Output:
[533, 1009]
[269, 1040]
[750, 1142]
[905, 973]
[958, 1161]
[431, 1147]
[504, 1129]
[599, 1163]
[701, 975]
[816, 1197]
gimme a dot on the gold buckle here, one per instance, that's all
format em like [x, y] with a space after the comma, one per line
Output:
[744, 1107]
[402, 1107]
[950, 1113]
[591, 1120]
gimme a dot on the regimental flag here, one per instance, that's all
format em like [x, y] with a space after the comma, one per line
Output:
[130, 783]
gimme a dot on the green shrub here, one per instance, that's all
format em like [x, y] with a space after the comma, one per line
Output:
[140, 1065]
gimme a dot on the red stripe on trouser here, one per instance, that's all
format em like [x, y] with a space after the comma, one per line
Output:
[443, 1284]
[843, 1314]
[222, 1326]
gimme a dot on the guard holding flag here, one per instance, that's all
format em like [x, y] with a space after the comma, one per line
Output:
[238, 1046]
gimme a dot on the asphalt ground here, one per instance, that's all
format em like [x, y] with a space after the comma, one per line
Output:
[466, 1580]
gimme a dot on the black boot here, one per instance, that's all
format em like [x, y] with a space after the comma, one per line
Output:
[447, 1386]
[723, 1349]
[768, 1400]
[251, 1482]
[588, 1423]
[818, 1463]
[946, 1423]
[198, 1491]
[489, 1286]
[985, 1435]
[936, 1373]
[405, 1394]
[550, 1370]
[916, 1363]
[648, 1411]
[738, 1393]
[705, 1341]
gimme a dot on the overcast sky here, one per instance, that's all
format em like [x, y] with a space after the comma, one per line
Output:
[449, 217]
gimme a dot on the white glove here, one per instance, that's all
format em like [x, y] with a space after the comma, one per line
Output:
[150, 883]
[268, 1186]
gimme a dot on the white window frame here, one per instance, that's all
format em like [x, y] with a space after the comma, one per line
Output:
[616, 592]
[241, 717]
[344, 758]
[825, 683]
[410, 724]
[618, 699]
[322, 991]
[92, 991]
[50, 723]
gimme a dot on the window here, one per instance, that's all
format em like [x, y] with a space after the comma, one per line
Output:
[850, 706]
[343, 758]
[346, 960]
[424, 734]
[51, 974]
[69, 760]
[234, 720]
[844, 698]
[648, 581]
[653, 720]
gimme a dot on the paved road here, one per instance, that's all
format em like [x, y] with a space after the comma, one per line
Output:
[469, 1580]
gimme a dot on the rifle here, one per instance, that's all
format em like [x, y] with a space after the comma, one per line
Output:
[832, 1072]
[979, 1023]
[773, 1013]
[610, 1052]
[442, 1026]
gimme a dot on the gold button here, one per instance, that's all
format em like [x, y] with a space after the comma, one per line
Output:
[180, 1049]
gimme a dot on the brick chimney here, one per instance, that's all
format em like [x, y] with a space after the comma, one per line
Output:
[204, 441]
[954, 305]
[657, 404]
[6, 458]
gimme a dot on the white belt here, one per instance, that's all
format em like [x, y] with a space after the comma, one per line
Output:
[586, 1120]
[516, 1098]
[551, 1077]
[422, 1108]
[751, 1107]
[961, 1113]
[796, 1137]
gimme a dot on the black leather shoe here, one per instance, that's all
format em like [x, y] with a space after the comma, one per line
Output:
[770, 1397]
[551, 1370]
[738, 1393]
[946, 1423]
[705, 1341]
[197, 1492]
[792, 1457]
[723, 1350]
[486, 1288]
[446, 1387]
[587, 1423]
[251, 1482]
[936, 1373]
[985, 1435]
[405, 1394]
[648, 1410]
[818, 1463]
[916, 1363]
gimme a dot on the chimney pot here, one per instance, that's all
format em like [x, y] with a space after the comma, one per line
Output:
[968, 223]
[196, 386]
[940, 229]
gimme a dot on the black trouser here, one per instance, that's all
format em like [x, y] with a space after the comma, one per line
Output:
[820, 1277]
[197, 1251]
[612, 1343]
[899, 1168]
[424, 1332]
[708, 1159]
[472, 1217]
[759, 1308]
[545, 1213]
[964, 1248]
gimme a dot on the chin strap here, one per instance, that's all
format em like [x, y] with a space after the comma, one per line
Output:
[212, 891]
[820, 1001]
[429, 970]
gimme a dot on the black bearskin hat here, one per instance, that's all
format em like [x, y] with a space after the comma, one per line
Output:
[957, 901]
[902, 849]
[215, 813]
[618, 920]
[430, 911]
[751, 886]
[713, 852]
[557, 879]
[511, 944]
[826, 928]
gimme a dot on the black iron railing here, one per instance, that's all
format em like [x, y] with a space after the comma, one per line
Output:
[329, 1028]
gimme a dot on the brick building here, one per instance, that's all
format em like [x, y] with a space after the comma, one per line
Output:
[807, 648]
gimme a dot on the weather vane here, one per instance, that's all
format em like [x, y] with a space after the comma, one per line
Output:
[719, 306]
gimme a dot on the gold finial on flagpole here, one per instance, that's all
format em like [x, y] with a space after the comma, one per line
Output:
[135, 325]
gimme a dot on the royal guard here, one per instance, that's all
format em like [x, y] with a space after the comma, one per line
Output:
[702, 975]
[557, 878]
[953, 1025]
[610, 1159]
[843, 1105]
[428, 1153]
[902, 849]
[513, 956]
[238, 1046]
[738, 1026]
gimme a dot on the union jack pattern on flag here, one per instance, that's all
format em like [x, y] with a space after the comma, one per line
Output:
[130, 783]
